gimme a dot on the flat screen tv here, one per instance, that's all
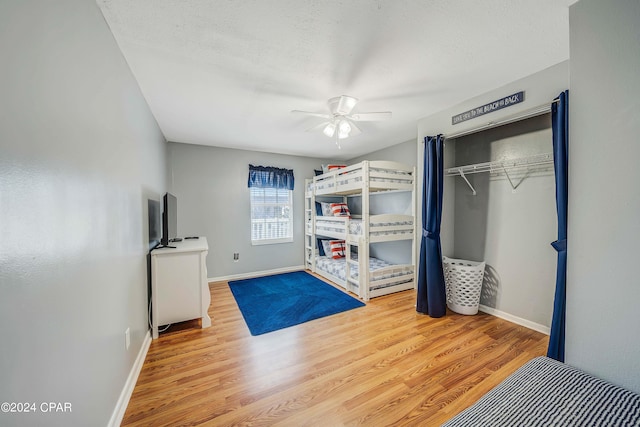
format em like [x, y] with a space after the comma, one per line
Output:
[169, 218]
[155, 223]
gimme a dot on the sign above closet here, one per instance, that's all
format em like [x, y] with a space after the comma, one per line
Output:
[496, 105]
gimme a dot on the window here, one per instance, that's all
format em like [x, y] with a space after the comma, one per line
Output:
[271, 215]
[271, 196]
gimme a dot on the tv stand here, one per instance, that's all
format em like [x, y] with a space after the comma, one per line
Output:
[179, 288]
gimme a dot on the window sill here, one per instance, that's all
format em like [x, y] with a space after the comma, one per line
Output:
[271, 241]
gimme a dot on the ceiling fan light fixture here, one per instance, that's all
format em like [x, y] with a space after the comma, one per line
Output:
[329, 129]
[344, 129]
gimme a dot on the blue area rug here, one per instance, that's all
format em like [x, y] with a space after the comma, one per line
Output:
[276, 302]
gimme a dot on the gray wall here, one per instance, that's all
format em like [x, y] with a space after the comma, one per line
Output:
[80, 154]
[540, 88]
[510, 231]
[404, 152]
[603, 288]
[210, 184]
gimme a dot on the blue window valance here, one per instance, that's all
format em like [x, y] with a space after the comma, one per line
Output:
[270, 177]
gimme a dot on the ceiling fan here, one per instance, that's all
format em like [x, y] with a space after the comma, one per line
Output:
[340, 120]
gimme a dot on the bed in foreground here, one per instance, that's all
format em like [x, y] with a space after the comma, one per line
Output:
[545, 392]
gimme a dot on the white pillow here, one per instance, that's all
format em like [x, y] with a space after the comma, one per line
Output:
[326, 209]
[326, 245]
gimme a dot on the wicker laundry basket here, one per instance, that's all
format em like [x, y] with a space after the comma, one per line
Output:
[463, 282]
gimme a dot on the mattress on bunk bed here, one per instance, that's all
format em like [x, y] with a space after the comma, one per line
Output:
[356, 176]
[332, 226]
[356, 225]
[338, 268]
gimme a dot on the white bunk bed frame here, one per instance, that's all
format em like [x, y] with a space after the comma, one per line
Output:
[363, 179]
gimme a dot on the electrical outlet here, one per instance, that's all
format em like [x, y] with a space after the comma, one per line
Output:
[127, 339]
[236, 256]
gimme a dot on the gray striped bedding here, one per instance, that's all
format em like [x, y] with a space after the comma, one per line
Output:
[355, 227]
[545, 392]
[338, 268]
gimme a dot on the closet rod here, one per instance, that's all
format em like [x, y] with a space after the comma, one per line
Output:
[527, 114]
[502, 165]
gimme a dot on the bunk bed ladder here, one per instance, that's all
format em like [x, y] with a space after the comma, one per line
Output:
[347, 253]
[310, 226]
[363, 247]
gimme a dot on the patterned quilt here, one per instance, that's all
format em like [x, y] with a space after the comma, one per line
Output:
[338, 268]
[355, 227]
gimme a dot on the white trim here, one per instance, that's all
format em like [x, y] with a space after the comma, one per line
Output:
[272, 241]
[127, 390]
[255, 274]
[515, 319]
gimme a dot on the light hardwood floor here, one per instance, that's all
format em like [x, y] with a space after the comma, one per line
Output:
[383, 364]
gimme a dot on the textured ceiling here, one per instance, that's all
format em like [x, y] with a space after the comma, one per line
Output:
[227, 73]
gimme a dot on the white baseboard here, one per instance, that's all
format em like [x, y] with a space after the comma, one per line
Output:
[255, 274]
[127, 390]
[515, 319]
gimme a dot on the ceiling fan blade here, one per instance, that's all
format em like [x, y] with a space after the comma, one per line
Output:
[342, 105]
[310, 113]
[355, 130]
[370, 117]
[319, 127]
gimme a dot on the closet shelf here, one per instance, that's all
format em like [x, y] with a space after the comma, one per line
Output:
[501, 166]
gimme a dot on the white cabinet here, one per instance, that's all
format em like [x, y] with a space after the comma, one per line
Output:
[179, 288]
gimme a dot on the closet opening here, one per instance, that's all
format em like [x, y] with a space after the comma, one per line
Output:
[510, 220]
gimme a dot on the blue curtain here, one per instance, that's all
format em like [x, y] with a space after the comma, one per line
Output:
[431, 289]
[560, 128]
[269, 177]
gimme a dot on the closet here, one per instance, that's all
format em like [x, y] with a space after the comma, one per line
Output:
[500, 204]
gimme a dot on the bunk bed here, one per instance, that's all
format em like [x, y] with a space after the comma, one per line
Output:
[354, 268]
